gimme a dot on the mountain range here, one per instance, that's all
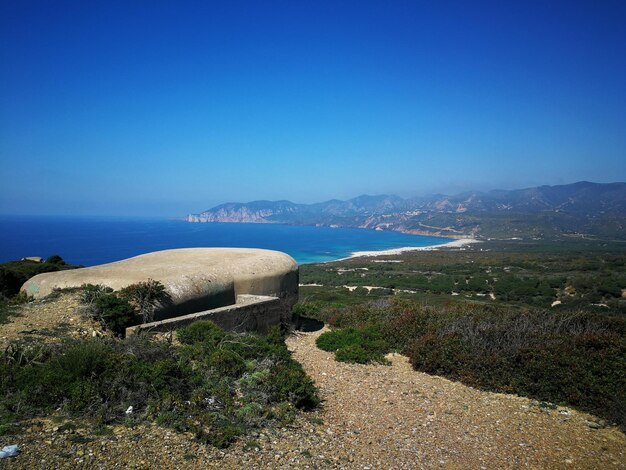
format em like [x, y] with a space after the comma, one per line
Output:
[578, 209]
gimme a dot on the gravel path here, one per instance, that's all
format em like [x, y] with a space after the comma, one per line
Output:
[373, 416]
[393, 417]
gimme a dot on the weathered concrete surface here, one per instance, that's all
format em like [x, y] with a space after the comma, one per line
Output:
[196, 279]
[250, 313]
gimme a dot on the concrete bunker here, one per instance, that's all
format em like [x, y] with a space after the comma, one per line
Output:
[237, 288]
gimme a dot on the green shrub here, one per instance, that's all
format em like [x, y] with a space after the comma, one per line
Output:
[354, 353]
[111, 309]
[352, 345]
[513, 343]
[307, 309]
[116, 310]
[115, 313]
[251, 414]
[203, 332]
[15, 273]
[92, 292]
[5, 309]
[227, 362]
[440, 355]
[290, 384]
[20, 298]
[55, 259]
[284, 412]
[146, 296]
[205, 388]
[10, 282]
[560, 357]
[224, 431]
[333, 340]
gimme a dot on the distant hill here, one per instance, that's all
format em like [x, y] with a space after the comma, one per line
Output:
[578, 209]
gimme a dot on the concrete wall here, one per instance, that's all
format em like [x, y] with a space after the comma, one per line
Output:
[250, 313]
[284, 286]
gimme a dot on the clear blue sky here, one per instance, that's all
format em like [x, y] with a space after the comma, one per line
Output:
[170, 107]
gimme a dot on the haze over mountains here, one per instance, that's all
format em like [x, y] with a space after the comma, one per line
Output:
[578, 209]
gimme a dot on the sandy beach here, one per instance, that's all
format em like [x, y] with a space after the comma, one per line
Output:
[396, 251]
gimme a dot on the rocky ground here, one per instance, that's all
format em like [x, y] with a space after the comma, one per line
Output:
[48, 319]
[373, 416]
[393, 417]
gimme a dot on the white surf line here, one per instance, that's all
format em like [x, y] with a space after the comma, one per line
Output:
[396, 251]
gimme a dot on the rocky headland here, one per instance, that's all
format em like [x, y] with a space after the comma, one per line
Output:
[576, 209]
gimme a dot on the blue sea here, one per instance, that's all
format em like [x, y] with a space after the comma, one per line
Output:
[95, 240]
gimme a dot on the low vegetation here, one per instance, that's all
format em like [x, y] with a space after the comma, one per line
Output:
[538, 321]
[528, 276]
[361, 345]
[214, 384]
[145, 297]
[132, 305]
[578, 359]
[8, 307]
[15, 273]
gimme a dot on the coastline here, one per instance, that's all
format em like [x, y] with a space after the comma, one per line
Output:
[436, 234]
[459, 243]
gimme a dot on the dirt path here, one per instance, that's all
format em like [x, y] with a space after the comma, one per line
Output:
[374, 416]
[394, 417]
